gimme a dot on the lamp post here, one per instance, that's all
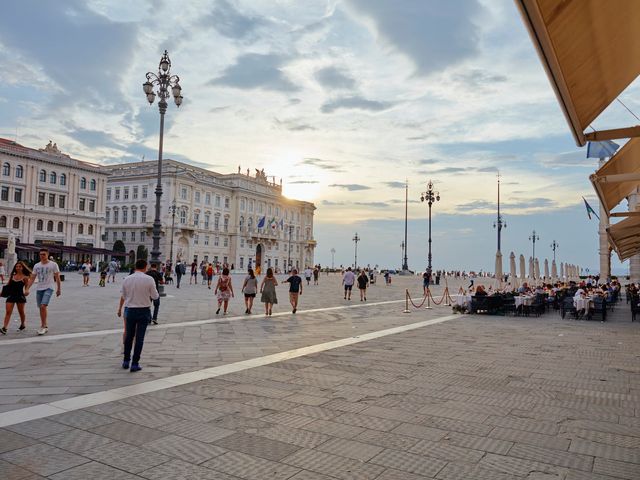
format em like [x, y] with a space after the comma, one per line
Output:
[333, 253]
[402, 247]
[166, 84]
[554, 247]
[356, 239]
[289, 248]
[172, 209]
[405, 262]
[499, 224]
[532, 238]
[430, 196]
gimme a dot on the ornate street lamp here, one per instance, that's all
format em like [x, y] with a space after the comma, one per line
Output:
[533, 238]
[289, 249]
[356, 239]
[499, 224]
[554, 247]
[430, 196]
[167, 85]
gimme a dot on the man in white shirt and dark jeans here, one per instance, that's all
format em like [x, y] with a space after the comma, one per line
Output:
[138, 291]
[48, 275]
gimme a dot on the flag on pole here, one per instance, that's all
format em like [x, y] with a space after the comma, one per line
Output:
[589, 209]
[274, 224]
[262, 221]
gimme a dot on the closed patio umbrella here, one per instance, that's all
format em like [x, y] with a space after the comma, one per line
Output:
[522, 273]
[554, 271]
[563, 271]
[532, 273]
[536, 268]
[498, 271]
[512, 269]
[546, 270]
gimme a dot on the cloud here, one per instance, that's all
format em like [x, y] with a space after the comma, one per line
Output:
[293, 125]
[320, 163]
[487, 169]
[372, 204]
[420, 137]
[427, 161]
[255, 70]
[232, 23]
[352, 187]
[394, 184]
[520, 205]
[478, 79]
[334, 78]
[330, 203]
[567, 159]
[445, 170]
[219, 109]
[355, 103]
[416, 27]
[93, 138]
[304, 181]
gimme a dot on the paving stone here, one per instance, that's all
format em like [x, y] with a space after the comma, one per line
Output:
[250, 468]
[38, 428]
[475, 442]
[234, 422]
[76, 441]
[257, 446]
[305, 399]
[288, 419]
[203, 432]
[446, 451]
[391, 474]
[409, 462]
[307, 475]
[10, 471]
[82, 419]
[12, 441]
[629, 471]
[517, 423]
[553, 457]
[94, 471]
[185, 449]
[191, 412]
[146, 418]
[272, 404]
[315, 412]
[350, 449]
[387, 440]
[520, 467]
[611, 452]
[366, 421]
[328, 427]
[130, 458]
[547, 441]
[332, 465]
[457, 426]
[344, 406]
[128, 432]
[179, 470]
[295, 436]
[43, 459]
[454, 471]
[608, 438]
[420, 431]
[439, 411]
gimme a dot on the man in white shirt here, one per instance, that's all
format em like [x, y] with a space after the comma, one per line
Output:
[138, 291]
[348, 279]
[307, 274]
[48, 275]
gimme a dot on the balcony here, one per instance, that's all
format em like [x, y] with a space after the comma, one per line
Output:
[311, 243]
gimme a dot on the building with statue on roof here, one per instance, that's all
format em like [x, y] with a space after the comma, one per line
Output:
[240, 220]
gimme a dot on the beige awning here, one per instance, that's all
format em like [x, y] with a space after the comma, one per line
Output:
[590, 50]
[616, 179]
[624, 236]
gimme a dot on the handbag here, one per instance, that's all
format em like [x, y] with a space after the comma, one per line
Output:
[5, 291]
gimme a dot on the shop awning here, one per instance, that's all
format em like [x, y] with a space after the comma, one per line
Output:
[590, 50]
[624, 237]
[617, 178]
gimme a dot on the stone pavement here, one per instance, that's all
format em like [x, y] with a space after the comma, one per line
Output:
[473, 397]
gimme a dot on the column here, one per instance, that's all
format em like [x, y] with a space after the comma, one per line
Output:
[634, 262]
[604, 251]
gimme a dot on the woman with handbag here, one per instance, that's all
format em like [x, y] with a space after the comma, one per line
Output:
[224, 290]
[14, 292]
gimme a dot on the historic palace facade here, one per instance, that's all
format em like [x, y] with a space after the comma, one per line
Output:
[49, 199]
[238, 219]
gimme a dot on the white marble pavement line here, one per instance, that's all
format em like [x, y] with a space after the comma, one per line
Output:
[96, 333]
[84, 401]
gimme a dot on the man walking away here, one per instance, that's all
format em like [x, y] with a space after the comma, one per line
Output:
[179, 273]
[295, 289]
[307, 274]
[137, 292]
[348, 280]
[47, 272]
[157, 278]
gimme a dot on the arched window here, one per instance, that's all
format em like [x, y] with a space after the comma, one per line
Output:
[3, 221]
[60, 227]
[52, 177]
[92, 185]
[6, 169]
[80, 229]
[39, 225]
[63, 179]
[50, 226]
[83, 183]
[90, 229]
[183, 217]
[16, 222]
[19, 171]
[43, 175]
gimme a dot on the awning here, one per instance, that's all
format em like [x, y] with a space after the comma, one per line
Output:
[617, 178]
[590, 50]
[624, 237]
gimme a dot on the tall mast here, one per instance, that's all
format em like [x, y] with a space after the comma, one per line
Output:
[405, 265]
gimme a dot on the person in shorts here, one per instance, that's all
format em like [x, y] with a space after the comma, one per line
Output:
[48, 275]
[348, 279]
[249, 288]
[307, 275]
[363, 281]
[295, 289]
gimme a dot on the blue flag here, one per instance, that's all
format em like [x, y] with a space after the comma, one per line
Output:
[262, 221]
[590, 210]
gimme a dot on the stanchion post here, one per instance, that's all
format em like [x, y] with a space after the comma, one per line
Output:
[406, 301]
[428, 307]
[446, 297]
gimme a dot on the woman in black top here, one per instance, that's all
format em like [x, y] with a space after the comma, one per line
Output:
[363, 281]
[17, 281]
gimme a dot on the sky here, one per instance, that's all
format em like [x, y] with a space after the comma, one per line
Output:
[345, 100]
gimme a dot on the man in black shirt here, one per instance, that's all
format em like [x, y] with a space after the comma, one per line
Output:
[157, 277]
[295, 289]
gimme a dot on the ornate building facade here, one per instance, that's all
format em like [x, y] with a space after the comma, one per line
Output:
[49, 199]
[240, 220]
